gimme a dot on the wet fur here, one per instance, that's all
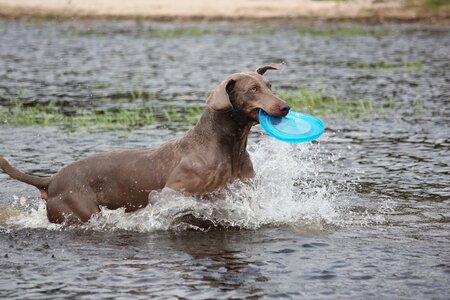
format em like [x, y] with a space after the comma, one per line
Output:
[205, 159]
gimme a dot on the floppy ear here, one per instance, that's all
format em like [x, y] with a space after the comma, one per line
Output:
[219, 100]
[263, 70]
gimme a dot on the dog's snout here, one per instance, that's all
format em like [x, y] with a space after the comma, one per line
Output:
[284, 108]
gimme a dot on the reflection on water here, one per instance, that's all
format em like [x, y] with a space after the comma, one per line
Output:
[362, 214]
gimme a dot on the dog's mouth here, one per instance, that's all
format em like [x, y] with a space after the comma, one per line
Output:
[253, 115]
[280, 110]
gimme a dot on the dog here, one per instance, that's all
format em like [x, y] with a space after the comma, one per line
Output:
[208, 157]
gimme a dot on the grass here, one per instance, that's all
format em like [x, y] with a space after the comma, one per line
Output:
[387, 66]
[198, 31]
[114, 119]
[429, 8]
[176, 32]
[330, 31]
[317, 102]
[100, 85]
[312, 101]
[436, 4]
[430, 5]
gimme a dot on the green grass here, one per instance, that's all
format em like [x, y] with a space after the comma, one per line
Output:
[18, 114]
[77, 33]
[257, 30]
[386, 66]
[264, 30]
[100, 85]
[176, 32]
[341, 31]
[435, 4]
[313, 101]
[317, 102]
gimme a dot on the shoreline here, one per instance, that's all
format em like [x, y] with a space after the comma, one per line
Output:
[253, 11]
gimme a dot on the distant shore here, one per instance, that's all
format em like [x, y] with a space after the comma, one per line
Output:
[368, 11]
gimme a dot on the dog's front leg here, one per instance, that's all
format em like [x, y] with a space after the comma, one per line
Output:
[199, 176]
[187, 179]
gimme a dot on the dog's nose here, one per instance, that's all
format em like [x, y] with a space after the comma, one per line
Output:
[284, 108]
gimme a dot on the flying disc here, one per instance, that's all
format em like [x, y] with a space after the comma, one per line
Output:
[293, 128]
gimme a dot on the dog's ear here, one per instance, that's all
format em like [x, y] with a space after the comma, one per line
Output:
[219, 100]
[263, 70]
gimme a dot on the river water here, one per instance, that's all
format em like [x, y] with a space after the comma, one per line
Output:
[363, 213]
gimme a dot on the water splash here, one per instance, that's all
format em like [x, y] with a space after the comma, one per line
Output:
[290, 188]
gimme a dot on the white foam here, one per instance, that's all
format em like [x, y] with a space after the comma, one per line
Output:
[32, 217]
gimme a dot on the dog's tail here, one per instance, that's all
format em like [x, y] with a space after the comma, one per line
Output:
[40, 182]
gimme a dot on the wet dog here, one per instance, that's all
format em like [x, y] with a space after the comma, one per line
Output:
[205, 159]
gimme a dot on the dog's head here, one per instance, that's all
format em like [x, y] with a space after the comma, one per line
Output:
[248, 93]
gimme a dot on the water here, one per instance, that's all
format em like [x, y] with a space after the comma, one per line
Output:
[364, 213]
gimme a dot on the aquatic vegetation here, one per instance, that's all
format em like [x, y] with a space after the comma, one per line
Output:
[100, 85]
[264, 30]
[387, 66]
[162, 32]
[176, 32]
[333, 31]
[317, 102]
[77, 33]
[145, 113]
[153, 32]
[85, 119]
[321, 31]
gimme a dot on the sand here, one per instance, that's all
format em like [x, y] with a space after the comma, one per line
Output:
[292, 10]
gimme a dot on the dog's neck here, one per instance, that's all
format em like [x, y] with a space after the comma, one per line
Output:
[226, 128]
[230, 130]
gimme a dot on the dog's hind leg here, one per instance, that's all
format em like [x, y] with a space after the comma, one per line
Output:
[71, 209]
[59, 212]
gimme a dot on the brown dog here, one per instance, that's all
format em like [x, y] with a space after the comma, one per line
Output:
[205, 159]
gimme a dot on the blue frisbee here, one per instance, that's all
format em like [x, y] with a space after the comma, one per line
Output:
[293, 128]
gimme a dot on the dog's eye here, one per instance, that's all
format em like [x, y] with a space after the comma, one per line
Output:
[254, 89]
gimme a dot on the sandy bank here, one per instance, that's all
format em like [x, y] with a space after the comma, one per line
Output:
[289, 10]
